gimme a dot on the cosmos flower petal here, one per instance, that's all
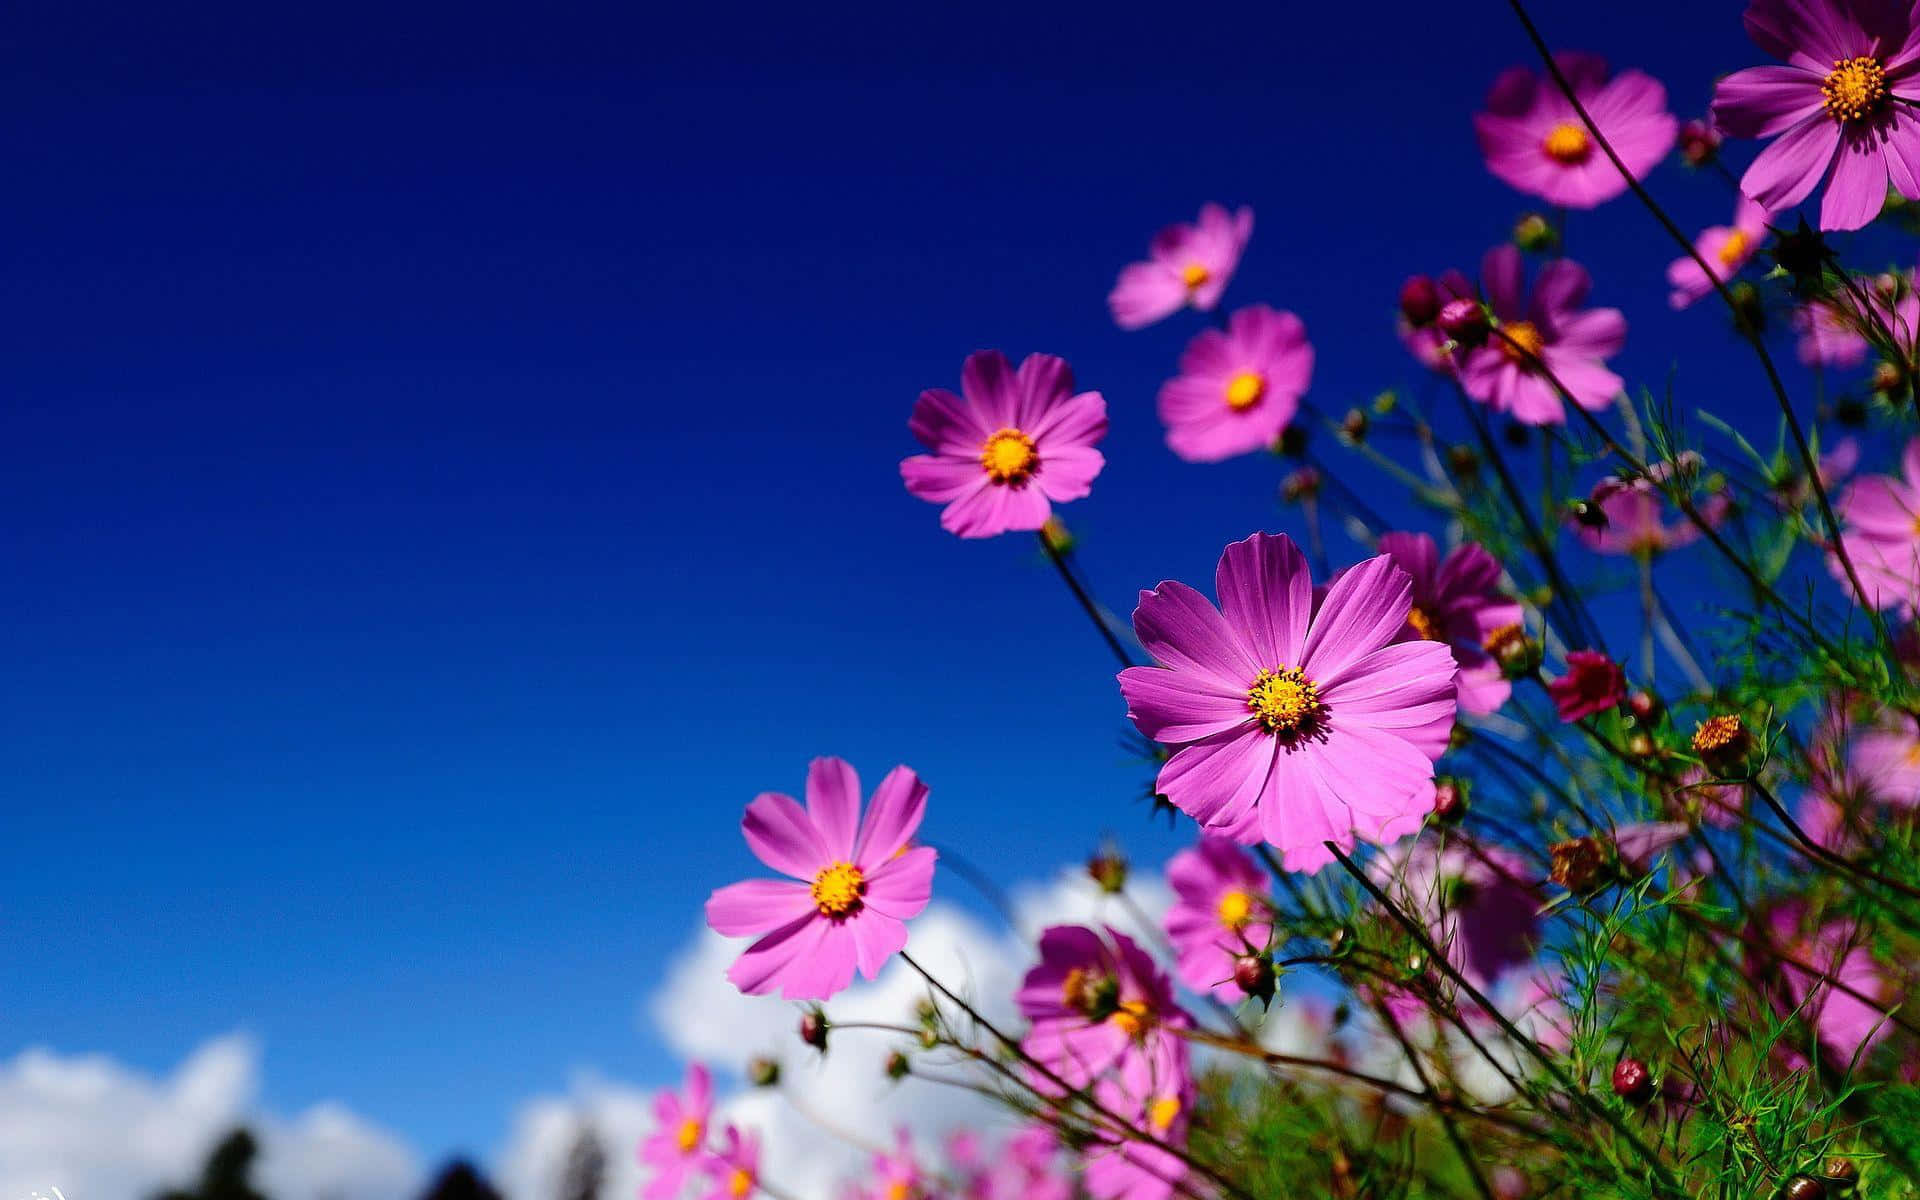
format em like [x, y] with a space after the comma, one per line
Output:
[1788, 170]
[781, 835]
[1763, 101]
[1181, 706]
[833, 803]
[899, 805]
[901, 887]
[1364, 609]
[754, 906]
[776, 957]
[1265, 590]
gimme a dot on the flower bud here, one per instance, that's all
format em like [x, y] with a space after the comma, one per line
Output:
[1632, 1082]
[1534, 234]
[1587, 513]
[1385, 402]
[1723, 743]
[1449, 799]
[897, 1066]
[1849, 410]
[813, 1028]
[1058, 537]
[1645, 707]
[1465, 322]
[1842, 1173]
[1303, 484]
[1463, 461]
[1255, 976]
[1803, 1187]
[1889, 379]
[1640, 744]
[1749, 306]
[763, 1072]
[1699, 143]
[1353, 426]
[1108, 869]
[1576, 866]
[1419, 301]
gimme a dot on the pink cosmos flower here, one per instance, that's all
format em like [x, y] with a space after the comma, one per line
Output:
[1130, 1169]
[1848, 1014]
[1840, 109]
[1020, 442]
[1098, 1004]
[1221, 911]
[1479, 904]
[1880, 530]
[1829, 336]
[1549, 328]
[677, 1148]
[896, 1175]
[1186, 264]
[1640, 844]
[1457, 602]
[1026, 1167]
[1726, 248]
[1425, 340]
[1698, 799]
[733, 1173]
[1593, 684]
[1635, 511]
[860, 881]
[1540, 1010]
[1534, 140]
[1237, 387]
[1294, 725]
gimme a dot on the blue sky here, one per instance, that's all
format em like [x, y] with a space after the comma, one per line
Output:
[449, 457]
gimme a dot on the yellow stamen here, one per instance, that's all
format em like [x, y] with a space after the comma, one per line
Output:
[1522, 342]
[1194, 275]
[838, 890]
[1734, 250]
[1236, 909]
[1244, 390]
[899, 1189]
[690, 1135]
[1422, 624]
[1716, 733]
[1008, 456]
[1286, 701]
[1854, 89]
[740, 1183]
[1133, 1017]
[1568, 143]
[1163, 1111]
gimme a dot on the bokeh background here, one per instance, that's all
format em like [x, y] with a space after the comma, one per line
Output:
[448, 466]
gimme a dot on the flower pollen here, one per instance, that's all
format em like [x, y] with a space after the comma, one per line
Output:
[1735, 249]
[1133, 1018]
[740, 1183]
[1009, 457]
[1286, 702]
[1522, 342]
[1717, 733]
[839, 890]
[1245, 389]
[1236, 909]
[1568, 144]
[1855, 89]
[690, 1135]
[1195, 274]
[1163, 1111]
[1422, 624]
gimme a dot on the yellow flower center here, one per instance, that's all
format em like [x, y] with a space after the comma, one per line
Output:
[1716, 733]
[1568, 143]
[740, 1183]
[1734, 250]
[1236, 909]
[1008, 456]
[1195, 274]
[1163, 1111]
[1522, 342]
[899, 1189]
[1286, 701]
[1244, 390]
[1422, 624]
[837, 890]
[1133, 1017]
[1503, 638]
[1854, 88]
[691, 1134]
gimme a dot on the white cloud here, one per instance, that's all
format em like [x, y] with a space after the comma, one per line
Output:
[98, 1130]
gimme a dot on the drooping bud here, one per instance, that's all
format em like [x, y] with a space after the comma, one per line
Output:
[1576, 863]
[1632, 1082]
[1645, 707]
[1699, 143]
[1449, 799]
[1419, 301]
[1353, 426]
[763, 1072]
[1465, 322]
[1108, 868]
[897, 1066]
[1723, 743]
[1534, 234]
[1255, 976]
[1640, 744]
[813, 1028]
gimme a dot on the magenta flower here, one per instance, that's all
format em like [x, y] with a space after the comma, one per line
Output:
[1593, 684]
[1829, 336]
[733, 1173]
[1097, 1004]
[1459, 603]
[1725, 248]
[1534, 140]
[1880, 530]
[1186, 264]
[1635, 511]
[1221, 911]
[677, 1148]
[1292, 725]
[1829, 978]
[1424, 339]
[860, 881]
[896, 1175]
[1020, 442]
[1479, 904]
[1548, 329]
[1026, 1167]
[1640, 844]
[1840, 110]
[1130, 1169]
[1237, 387]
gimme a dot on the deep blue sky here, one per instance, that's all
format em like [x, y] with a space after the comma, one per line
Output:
[448, 464]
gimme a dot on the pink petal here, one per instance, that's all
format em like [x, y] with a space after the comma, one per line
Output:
[754, 906]
[833, 803]
[1857, 189]
[1363, 611]
[780, 833]
[1180, 629]
[1078, 421]
[1068, 474]
[987, 381]
[1404, 686]
[1266, 592]
[1760, 102]
[1217, 781]
[1788, 170]
[942, 480]
[902, 886]
[946, 424]
[899, 804]
[770, 963]
[1181, 706]
[1145, 293]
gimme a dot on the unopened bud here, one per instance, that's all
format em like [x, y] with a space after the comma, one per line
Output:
[1842, 1173]
[1058, 537]
[1303, 484]
[1419, 301]
[897, 1066]
[1465, 322]
[1449, 799]
[1385, 402]
[1354, 426]
[1749, 306]
[1588, 514]
[813, 1029]
[1645, 707]
[1534, 234]
[1848, 410]
[1699, 143]
[1254, 975]
[1632, 1081]
[1108, 869]
[763, 1072]
[1889, 379]
[1640, 744]
[1803, 1187]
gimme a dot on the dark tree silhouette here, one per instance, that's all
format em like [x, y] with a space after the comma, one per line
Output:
[226, 1175]
[460, 1181]
[586, 1171]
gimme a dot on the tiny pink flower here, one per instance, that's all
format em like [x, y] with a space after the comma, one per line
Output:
[1020, 442]
[1839, 110]
[1292, 724]
[1221, 911]
[1457, 602]
[859, 881]
[1548, 329]
[1593, 684]
[1237, 387]
[1186, 264]
[1880, 531]
[1724, 248]
[1534, 140]
[733, 1173]
[677, 1148]
[1097, 1004]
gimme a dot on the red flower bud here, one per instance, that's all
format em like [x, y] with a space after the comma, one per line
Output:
[1632, 1081]
[1465, 322]
[1419, 301]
